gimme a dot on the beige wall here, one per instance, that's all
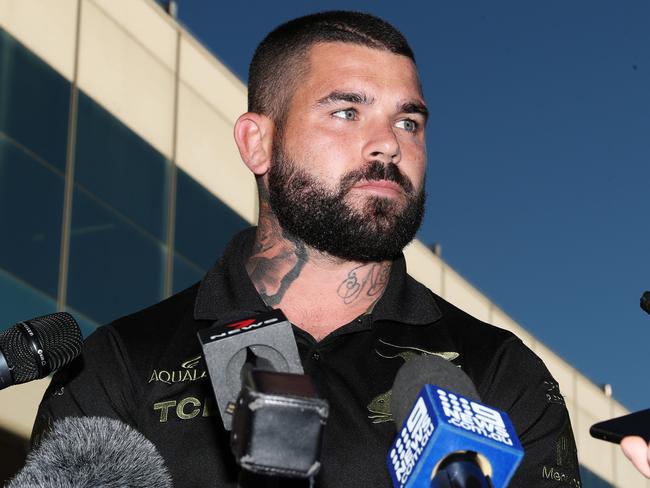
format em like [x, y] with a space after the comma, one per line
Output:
[18, 405]
[159, 81]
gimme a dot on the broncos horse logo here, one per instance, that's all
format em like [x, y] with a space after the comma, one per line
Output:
[380, 406]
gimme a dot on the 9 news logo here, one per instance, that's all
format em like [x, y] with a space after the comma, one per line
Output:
[474, 417]
[412, 440]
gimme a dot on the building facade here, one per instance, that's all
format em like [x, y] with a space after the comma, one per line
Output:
[120, 184]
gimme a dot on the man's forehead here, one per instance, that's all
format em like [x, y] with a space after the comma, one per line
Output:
[352, 67]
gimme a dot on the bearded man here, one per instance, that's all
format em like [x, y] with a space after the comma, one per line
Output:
[335, 136]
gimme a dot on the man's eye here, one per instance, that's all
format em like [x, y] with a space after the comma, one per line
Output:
[347, 114]
[408, 125]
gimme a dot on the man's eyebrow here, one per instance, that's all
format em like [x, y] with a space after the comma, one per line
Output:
[415, 108]
[350, 97]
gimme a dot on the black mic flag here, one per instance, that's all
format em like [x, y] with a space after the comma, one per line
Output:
[274, 411]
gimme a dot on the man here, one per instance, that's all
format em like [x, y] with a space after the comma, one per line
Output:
[335, 138]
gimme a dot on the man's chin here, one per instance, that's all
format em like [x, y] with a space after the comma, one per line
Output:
[377, 206]
[385, 192]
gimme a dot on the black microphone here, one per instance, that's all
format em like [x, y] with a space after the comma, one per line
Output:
[446, 437]
[645, 301]
[35, 348]
[85, 452]
[275, 414]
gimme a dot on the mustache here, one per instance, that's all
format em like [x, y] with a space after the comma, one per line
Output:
[376, 170]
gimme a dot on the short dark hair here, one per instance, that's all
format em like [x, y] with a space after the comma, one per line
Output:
[280, 59]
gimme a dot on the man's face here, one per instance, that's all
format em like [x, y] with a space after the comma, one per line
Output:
[347, 173]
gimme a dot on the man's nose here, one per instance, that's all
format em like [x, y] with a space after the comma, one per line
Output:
[382, 144]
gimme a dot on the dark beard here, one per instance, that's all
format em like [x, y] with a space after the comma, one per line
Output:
[324, 221]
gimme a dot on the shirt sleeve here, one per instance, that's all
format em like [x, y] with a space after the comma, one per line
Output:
[97, 383]
[519, 383]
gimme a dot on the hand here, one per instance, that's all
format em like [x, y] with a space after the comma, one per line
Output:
[638, 452]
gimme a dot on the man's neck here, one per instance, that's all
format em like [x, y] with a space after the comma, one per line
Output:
[317, 292]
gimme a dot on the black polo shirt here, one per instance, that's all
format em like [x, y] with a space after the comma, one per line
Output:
[146, 369]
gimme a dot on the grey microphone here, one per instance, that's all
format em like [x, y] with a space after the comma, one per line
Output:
[37, 347]
[88, 452]
[426, 369]
[458, 469]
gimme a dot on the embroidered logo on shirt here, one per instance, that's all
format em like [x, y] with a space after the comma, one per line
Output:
[565, 450]
[188, 372]
[380, 406]
[560, 476]
[191, 363]
[553, 394]
[184, 409]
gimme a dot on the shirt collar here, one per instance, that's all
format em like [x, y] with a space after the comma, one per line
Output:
[226, 288]
[406, 300]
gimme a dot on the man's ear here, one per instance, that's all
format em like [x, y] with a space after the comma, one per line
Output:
[254, 138]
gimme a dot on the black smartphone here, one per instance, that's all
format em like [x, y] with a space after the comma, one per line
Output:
[613, 430]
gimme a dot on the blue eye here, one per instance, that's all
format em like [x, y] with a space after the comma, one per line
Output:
[347, 114]
[409, 125]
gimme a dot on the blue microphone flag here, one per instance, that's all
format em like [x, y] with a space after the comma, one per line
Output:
[441, 423]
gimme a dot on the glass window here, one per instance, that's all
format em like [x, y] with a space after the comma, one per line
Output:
[34, 102]
[204, 224]
[31, 206]
[186, 273]
[86, 325]
[120, 168]
[21, 302]
[592, 480]
[115, 267]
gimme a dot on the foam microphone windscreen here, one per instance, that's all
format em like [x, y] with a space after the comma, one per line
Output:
[427, 369]
[85, 452]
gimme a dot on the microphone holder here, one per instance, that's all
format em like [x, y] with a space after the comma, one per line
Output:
[460, 470]
[278, 424]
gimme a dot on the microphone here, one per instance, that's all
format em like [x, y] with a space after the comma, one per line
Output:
[274, 412]
[446, 437]
[264, 337]
[93, 451]
[645, 301]
[35, 348]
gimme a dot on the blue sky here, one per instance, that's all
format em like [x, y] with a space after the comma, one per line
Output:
[539, 157]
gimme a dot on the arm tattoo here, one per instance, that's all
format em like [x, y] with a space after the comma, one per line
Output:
[367, 280]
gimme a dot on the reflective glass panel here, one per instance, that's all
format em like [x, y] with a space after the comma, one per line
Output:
[86, 325]
[120, 168]
[34, 102]
[21, 302]
[592, 480]
[185, 273]
[31, 203]
[204, 224]
[115, 267]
